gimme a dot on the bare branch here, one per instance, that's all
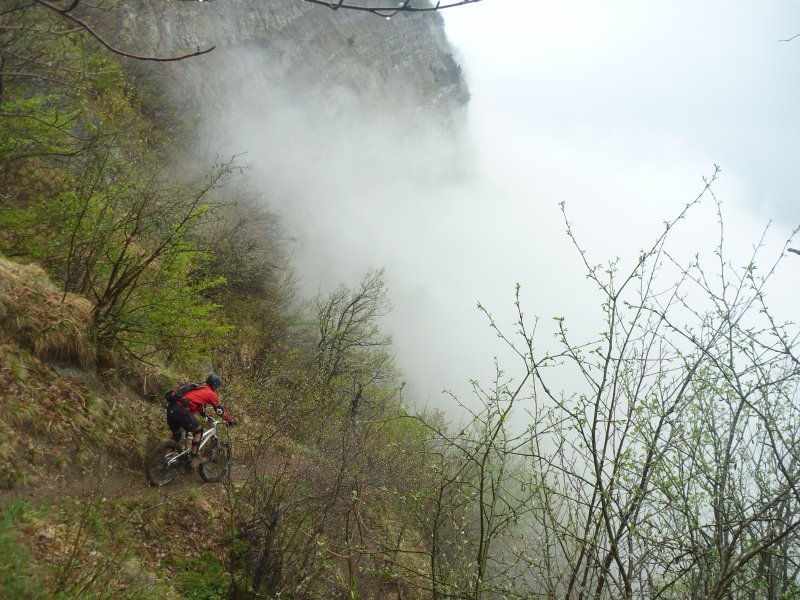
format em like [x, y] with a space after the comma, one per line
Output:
[390, 11]
[65, 12]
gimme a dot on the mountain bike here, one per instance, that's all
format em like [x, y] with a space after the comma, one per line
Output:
[166, 460]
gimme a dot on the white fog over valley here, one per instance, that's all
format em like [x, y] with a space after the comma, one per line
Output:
[618, 110]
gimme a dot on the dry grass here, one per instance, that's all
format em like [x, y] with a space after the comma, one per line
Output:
[38, 315]
[53, 424]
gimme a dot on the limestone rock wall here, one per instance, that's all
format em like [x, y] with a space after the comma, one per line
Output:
[404, 64]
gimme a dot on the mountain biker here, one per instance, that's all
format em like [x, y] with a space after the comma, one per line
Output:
[181, 414]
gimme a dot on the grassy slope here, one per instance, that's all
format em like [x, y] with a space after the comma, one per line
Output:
[78, 519]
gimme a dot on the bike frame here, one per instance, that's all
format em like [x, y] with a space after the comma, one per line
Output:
[207, 435]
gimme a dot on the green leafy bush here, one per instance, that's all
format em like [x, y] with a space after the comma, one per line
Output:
[203, 578]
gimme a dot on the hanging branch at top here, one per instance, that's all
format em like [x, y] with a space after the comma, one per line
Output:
[67, 14]
[389, 11]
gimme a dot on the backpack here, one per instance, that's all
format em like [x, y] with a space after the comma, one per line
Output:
[176, 393]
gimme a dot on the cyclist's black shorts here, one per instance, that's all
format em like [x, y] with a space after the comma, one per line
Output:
[180, 417]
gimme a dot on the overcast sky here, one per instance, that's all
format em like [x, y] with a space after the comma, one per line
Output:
[619, 109]
[679, 84]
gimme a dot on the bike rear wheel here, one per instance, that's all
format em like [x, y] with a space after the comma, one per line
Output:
[157, 466]
[218, 454]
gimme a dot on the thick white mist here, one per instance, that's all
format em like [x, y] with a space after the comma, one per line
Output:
[460, 221]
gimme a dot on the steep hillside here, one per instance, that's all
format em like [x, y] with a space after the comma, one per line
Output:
[77, 519]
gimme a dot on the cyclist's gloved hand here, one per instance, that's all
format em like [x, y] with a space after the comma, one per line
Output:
[231, 423]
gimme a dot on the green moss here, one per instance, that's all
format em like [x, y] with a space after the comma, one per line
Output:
[18, 577]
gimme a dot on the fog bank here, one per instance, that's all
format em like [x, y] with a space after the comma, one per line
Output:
[458, 220]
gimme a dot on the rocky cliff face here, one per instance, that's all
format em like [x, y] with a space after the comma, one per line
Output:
[347, 125]
[402, 64]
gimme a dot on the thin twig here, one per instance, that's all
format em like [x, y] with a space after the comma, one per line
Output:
[390, 11]
[86, 27]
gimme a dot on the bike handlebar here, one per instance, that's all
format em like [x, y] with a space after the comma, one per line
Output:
[208, 418]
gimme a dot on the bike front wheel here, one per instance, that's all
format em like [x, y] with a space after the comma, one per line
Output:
[160, 471]
[219, 461]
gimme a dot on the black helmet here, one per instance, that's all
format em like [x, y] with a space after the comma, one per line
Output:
[213, 381]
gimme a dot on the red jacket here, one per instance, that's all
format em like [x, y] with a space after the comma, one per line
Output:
[201, 396]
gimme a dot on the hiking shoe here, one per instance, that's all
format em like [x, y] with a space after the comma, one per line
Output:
[196, 462]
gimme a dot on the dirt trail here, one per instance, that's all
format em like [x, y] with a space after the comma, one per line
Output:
[110, 484]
